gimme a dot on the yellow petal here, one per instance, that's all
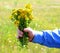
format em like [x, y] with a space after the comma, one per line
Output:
[28, 6]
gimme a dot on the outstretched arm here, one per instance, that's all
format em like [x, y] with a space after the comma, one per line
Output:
[49, 38]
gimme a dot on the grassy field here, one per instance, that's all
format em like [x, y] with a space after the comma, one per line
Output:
[47, 16]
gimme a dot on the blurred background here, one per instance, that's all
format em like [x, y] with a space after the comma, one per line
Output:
[46, 16]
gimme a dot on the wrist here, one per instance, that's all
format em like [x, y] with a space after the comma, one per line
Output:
[31, 39]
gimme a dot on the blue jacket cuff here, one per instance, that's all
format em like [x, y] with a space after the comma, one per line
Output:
[38, 37]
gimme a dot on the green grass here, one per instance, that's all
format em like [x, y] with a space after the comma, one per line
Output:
[47, 16]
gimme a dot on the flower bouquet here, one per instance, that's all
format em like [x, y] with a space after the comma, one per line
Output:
[22, 18]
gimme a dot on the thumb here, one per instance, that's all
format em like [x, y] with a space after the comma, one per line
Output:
[27, 30]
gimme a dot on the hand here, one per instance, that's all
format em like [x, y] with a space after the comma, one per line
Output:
[29, 31]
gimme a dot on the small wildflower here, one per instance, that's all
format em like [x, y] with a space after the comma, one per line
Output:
[30, 17]
[28, 10]
[19, 17]
[20, 10]
[14, 11]
[28, 6]
[16, 23]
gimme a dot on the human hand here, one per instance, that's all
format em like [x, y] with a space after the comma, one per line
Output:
[29, 31]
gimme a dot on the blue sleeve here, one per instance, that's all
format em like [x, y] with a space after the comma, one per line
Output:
[49, 38]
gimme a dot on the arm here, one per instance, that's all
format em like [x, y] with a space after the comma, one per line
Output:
[47, 38]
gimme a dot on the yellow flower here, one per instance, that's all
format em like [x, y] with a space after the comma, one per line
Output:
[28, 10]
[19, 17]
[28, 6]
[20, 10]
[26, 18]
[31, 17]
[22, 15]
[24, 12]
[16, 23]
[14, 11]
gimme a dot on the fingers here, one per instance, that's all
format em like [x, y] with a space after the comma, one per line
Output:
[20, 33]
